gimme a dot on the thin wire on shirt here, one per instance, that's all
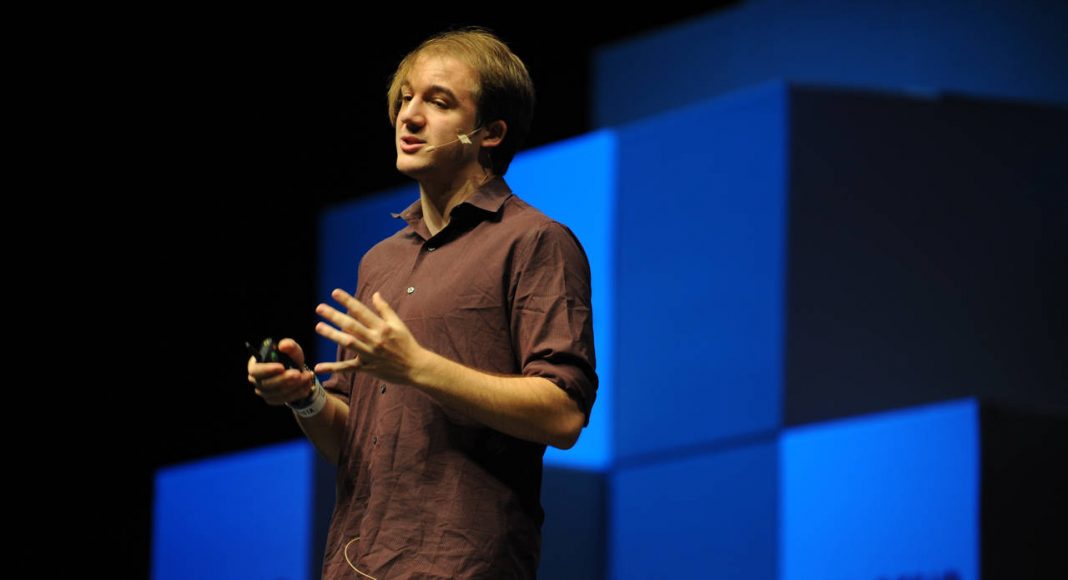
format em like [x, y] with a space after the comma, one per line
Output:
[351, 565]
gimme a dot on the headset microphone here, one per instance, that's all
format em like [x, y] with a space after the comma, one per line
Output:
[464, 138]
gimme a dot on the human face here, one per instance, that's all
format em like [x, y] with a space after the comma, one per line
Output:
[437, 104]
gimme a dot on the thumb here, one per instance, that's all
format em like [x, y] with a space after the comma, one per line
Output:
[290, 348]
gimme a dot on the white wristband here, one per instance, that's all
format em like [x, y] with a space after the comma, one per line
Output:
[318, 401]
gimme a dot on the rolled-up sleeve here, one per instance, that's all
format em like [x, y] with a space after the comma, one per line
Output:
[552, 314]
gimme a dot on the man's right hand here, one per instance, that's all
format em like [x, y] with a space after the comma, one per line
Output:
[276, 384]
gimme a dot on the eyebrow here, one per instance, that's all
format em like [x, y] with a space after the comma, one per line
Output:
[434, 89]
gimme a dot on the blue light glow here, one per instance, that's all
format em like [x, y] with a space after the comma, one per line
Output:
[241, 516]
[893, 495]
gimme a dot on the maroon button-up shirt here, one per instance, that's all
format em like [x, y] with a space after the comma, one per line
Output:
[429, 492]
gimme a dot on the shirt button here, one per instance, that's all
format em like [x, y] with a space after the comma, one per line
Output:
[382, 390]
[374, 440]
[411, 289]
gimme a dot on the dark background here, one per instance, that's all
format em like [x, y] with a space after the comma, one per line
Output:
[226, 136]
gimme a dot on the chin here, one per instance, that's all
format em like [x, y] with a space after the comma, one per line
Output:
[405, 165]
[406, 168]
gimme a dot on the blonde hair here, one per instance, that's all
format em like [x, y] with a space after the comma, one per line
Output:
[504, 91]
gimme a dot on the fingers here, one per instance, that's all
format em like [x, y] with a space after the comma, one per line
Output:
[345, 322]
[343, 367]
[384, 309]
[283, 387]
[274, 383]
[377, 338]
[260, 371]
[344, 339]
[356, 309]
[292, 350]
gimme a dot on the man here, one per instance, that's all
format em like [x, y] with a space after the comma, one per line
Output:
[466, 349]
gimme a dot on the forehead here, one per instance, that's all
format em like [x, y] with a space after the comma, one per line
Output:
[430, 71]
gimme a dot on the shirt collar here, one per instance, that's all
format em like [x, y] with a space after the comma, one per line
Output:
[489, 198]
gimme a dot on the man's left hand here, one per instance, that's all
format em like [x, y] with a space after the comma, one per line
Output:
[384, 346]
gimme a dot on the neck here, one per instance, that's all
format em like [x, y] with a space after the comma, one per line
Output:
[439, 198]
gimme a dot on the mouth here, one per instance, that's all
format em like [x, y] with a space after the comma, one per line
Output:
[411, 144]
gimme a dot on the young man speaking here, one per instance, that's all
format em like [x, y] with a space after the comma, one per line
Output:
[466, 349]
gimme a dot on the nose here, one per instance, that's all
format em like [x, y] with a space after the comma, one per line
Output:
[411, 114]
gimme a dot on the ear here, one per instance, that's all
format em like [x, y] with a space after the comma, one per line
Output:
[494, 133]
